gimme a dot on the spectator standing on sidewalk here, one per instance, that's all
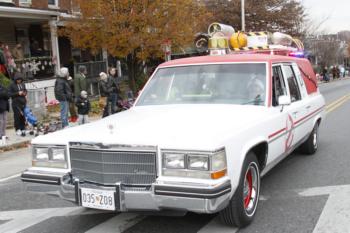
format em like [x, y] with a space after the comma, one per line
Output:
[63, 94]
[84, 107]
[4, 108]
[115, 91]
[334, 72]
[80, 83]
[72, 110]
[325, 74]
[3, 61]
[17, 52]
[18, 93]
[342, 72]
[105, 91]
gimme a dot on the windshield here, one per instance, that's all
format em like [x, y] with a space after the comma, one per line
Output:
[207, 84]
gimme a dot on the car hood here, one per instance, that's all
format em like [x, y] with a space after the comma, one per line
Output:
[173, 127]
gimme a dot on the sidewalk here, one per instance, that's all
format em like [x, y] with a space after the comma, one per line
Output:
[332, 80]
[16, 142]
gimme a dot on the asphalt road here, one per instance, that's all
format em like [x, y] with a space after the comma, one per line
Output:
[301, 194]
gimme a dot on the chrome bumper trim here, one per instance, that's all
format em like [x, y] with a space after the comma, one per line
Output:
[158, 197]
[42, 178]
[207, 193]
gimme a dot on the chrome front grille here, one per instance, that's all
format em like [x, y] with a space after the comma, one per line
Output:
[109, 167]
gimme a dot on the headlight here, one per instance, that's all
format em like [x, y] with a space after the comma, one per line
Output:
[41, 153]
[198, 162]
[46, 156]
[203, 165]
[58, 154]
[174, 161]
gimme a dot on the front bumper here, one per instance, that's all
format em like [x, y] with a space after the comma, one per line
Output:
[157, 197]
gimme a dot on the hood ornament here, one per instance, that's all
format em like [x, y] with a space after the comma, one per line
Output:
[110, 128]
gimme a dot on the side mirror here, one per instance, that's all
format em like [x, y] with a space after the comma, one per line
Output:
[284, 100]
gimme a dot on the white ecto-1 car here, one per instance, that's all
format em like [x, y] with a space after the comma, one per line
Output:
[198, 138]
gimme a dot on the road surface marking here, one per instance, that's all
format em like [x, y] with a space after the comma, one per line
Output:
[335, 216]
[215, 225]
[337, 103]
[9, 177]
[117, 224]
[22, 219]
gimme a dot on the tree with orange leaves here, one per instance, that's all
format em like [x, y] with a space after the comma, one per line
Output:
[134, 29]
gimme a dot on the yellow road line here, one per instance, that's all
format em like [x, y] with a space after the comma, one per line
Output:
[336, 104]
[337, 101]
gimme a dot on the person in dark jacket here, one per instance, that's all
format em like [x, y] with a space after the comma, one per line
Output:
[72, 110]
[83, 105]
[80, 82]
[63, 94]
[115, 90]
[18, 93]
[105, 91]
[4, 108]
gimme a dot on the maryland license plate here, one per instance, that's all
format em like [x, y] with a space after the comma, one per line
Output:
[98, 199]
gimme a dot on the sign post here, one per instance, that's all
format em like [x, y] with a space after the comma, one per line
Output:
[167, 50]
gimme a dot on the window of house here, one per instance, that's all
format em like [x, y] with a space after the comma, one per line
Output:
[278, 84]
[53, 3]
[25, 2]
[292, 83]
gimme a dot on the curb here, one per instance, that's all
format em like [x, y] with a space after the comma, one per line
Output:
[15, 146]
[26, 143]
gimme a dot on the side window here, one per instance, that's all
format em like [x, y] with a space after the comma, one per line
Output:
[292, 83]
[278, 85]
[300, 80]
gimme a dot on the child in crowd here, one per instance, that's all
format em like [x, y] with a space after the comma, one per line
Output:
[83, 105]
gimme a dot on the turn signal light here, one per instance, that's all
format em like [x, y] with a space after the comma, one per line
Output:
[218, 174]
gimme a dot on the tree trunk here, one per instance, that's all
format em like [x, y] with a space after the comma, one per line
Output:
[132, 68]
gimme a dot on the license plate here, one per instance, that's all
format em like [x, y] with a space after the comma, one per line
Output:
[97, 199]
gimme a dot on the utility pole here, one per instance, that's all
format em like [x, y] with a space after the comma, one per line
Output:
[243, 15]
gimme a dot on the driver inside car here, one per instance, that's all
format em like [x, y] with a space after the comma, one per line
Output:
[256, 91]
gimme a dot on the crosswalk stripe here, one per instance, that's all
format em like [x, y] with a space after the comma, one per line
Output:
[9, 177]
[215, 225]
[117, 224]
[22, 219]
[335, 216]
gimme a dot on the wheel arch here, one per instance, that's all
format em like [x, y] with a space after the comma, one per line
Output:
[261, 151]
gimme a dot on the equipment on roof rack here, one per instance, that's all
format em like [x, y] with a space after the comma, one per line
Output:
[223, 39]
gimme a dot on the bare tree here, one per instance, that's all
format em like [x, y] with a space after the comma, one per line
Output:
[261, 15]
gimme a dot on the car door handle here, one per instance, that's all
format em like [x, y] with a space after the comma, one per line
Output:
[308, 107]
[296, 112]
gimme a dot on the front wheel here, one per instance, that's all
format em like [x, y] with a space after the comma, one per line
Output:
[310, 146]
[242, 207]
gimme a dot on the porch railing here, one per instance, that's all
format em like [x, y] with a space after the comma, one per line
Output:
[35, 67]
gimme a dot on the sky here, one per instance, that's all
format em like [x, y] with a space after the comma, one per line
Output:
[337, 11]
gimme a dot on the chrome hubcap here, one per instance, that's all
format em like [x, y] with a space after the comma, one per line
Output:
[315, 138]
[250, 189]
